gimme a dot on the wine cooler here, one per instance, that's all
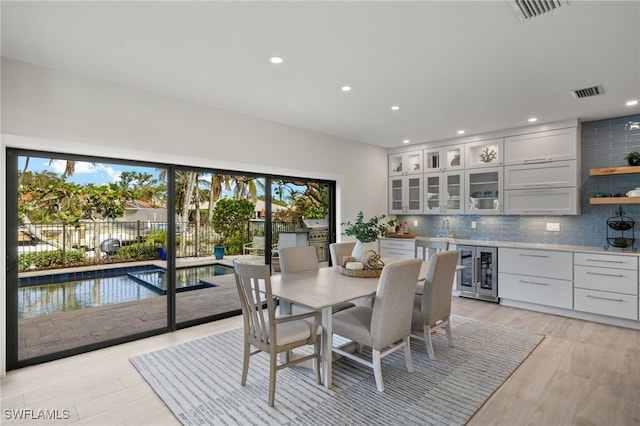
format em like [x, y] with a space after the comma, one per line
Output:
[479, 278]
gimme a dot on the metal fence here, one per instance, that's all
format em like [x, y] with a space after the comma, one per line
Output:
[89, 237]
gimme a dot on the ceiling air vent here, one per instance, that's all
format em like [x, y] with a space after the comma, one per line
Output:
[528, 9]
[588, 92]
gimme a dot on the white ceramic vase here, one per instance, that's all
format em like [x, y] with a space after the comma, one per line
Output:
[360, 249]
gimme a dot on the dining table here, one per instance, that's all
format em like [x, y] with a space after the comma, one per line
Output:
[319, 290]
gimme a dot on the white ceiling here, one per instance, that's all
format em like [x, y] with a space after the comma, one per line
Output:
[448, 65]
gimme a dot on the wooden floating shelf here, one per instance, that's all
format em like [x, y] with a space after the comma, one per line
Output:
[615, 200]
[608, 171]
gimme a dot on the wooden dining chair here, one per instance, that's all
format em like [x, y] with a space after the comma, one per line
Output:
[432, 308]
[429, 248]
[270, 333]
[385, 327]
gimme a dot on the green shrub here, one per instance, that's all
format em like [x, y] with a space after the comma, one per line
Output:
[146, 250]
[49, 259]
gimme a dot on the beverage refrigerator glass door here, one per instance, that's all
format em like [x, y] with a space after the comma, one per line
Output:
[479, 278]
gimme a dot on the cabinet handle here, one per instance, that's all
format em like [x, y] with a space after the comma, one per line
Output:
[538, 160]
[604, 261]
[538, 185]
[539, 211]
[605, 298]
[532, 255]
[532, 282]
[605, 275]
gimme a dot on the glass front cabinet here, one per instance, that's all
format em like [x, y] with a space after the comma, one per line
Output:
[443, 193]
[484, 191]
[444, 158]
[405, 194]
[406, 163]
[487, 153]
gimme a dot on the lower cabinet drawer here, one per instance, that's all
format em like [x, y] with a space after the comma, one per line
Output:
[397, 253]
[606, 303]
[542, 291]
[606, 279]
[541, 263]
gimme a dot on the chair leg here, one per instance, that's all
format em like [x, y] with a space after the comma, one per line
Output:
[318, 359]
[447, 328]
[407, 354]
[245, 363]
[377, 370]
[427, 341]
[273, 361]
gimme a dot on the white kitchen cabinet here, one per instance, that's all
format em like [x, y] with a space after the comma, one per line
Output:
[540, 147]
[549, 202]
[484, 191]
[487, 153]
[559, 174]
[406, 163]
[443, 193]
[443, 158]
[542, 277]
[399, 248]
[606, 284]
[405, 194]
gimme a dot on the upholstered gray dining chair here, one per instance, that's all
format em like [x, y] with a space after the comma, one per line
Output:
[300, 259]
[340, 250]
[386, 326]
[429, 248]
[432, 308]
[270, 333]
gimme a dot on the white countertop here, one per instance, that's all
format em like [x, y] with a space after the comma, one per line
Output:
[538, 246]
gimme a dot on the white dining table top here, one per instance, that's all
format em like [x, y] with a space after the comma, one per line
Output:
[322, 288]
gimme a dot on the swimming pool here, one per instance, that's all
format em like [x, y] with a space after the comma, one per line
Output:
[55, 293]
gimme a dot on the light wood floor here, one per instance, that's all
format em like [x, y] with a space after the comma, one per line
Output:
[583, 373]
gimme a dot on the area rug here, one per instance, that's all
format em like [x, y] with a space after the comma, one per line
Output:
[200, 381]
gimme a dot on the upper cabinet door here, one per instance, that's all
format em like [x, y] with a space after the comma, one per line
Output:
[540, 147]
[443, 158]
[487, 153]
[405, 163]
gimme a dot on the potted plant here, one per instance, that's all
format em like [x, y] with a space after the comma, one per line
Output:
[218, 248]
[633, 158]
[366, 233]
[275, 261]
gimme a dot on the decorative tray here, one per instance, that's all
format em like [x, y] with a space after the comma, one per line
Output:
[361, 273]
[409, 235]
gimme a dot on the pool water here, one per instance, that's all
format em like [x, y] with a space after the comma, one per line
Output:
[85, 291]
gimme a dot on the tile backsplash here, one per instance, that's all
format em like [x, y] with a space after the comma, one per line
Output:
[605, 143]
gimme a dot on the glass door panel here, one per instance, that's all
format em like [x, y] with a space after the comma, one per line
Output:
[454, 192]
[484, 191]
[432, 191]
[81, 221]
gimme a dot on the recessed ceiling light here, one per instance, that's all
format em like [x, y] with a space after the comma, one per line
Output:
[632, 103]
[346, 88]
[395, 108]
[532, 120]
[276, 60]
[461, 132]
[406, 141]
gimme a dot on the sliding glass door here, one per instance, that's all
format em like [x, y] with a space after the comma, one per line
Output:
[103, 251]
[86, 236]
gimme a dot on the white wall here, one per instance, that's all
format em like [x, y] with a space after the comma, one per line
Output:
[57, 111]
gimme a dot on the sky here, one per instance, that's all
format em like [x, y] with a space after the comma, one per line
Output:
[96, 173]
